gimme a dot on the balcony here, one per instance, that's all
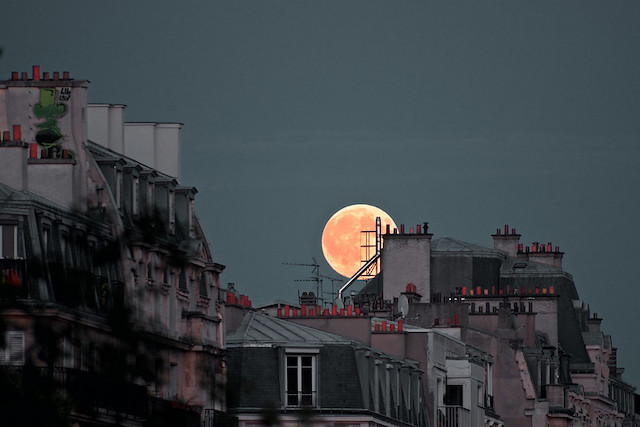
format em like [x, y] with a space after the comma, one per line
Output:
[13, 278]
[453, 416]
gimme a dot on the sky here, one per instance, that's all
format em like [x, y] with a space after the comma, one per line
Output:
[465, 114]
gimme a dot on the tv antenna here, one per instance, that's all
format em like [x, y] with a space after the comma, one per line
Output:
[316, 276]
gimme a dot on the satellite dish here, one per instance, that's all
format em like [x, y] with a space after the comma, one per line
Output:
[403, 305]
[338, 303]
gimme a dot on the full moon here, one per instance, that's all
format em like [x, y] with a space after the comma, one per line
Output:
[342, 237]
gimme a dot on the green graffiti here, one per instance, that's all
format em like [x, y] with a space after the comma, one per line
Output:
[49, 136]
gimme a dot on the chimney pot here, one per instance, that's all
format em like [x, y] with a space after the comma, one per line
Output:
[17, 133]
[24, 76]
[65, 75]
[14, 75]
[506, 229]
[45, 75]
[56, 75]
[36, 73]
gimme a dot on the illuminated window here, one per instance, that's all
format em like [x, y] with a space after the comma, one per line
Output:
[301, 382]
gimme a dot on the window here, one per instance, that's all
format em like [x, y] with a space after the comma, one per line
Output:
[453, 395]
[118, 188]
[12, 351]
[150, 196]
[9, 241]
[300, 380]
[172, 212]
[135, 195]
[191, 213]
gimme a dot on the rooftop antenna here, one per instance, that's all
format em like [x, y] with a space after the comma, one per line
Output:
[317, 277]
[367, 264]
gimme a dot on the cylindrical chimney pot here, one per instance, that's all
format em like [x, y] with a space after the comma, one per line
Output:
[14, 75]
[45, 75]
[56, 75]
[36, 73]
[65, 75]
[401, 228]
[24, 76]
[17, 133]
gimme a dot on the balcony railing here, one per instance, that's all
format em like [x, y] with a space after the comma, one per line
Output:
[300, 399]
[453, 416]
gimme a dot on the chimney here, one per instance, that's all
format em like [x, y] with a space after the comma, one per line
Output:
[406, 259]
[507, 242]
[543, 254]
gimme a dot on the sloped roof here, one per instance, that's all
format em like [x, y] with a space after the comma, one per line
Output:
[514, 265]
[259, 330]
[448, 244]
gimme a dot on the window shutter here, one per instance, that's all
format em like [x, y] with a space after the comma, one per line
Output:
[3, 349]
[15, 348]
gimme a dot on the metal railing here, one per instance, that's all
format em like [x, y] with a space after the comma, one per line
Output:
[453, 416]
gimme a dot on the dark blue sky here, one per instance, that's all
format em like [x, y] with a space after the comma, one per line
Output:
[466, 114]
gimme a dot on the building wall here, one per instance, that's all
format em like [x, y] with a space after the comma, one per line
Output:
[406, 258]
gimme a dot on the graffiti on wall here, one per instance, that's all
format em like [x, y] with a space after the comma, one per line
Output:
[49, 136]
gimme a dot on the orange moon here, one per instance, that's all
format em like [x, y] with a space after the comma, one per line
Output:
[342, 238]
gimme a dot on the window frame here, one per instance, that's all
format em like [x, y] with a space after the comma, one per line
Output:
[298, 370]
[14, 229]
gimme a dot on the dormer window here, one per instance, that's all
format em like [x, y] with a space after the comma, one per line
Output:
[135, 195]
[191, 213]
[118, 194]
[301, 381]
[172, 212]
[9, 247]
[150, 195]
